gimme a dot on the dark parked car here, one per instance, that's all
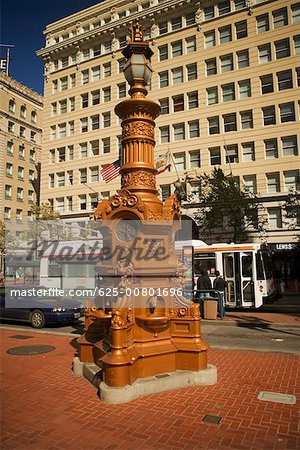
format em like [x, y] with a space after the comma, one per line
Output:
[43, 311]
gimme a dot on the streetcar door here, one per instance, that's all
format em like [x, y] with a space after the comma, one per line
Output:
[238, 274]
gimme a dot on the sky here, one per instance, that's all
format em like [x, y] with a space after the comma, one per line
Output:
[21, 24]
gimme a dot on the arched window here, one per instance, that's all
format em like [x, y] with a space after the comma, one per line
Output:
[23, 111]
[33, 116]
[11, 106]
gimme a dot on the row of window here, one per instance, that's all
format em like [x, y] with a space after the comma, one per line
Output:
[23, 111]
[21, 151]
[225, 34]
[19, 214]
[20, 194]
[86, 150]
[279, 49]
[178, 75]
[20, 172]
[279, 18]
[177, 48]
[23, 131]
[284, 81]
[86, 202]
[226, 63]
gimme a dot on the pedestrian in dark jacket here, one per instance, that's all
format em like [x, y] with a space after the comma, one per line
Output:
[203, 284]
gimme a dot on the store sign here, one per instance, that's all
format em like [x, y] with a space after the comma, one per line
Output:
[284, 246]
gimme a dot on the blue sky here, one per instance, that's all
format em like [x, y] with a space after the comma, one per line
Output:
[22, 24]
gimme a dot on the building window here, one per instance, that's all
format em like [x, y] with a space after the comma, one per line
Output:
[95, 97]
[107, 94]
[284, 80]
[122, 41]
[61, 179]
[193, 100]
[190, 44]
[280, 18]
[209, 12]
[212, 95]
[264, 53]
[106, 145]
[7, 213]
[241, 29]
[189, 19]
[72, 103]
[225, 34]
[84, 125]
[289, 146]
[243, 59]
[179, 160]
[178, 132]
[224, 7]
[20, 173]
[94, 174]
[85, 54]
[244, 89]
[232, 155]
[213, 125]
[30, 196]
[64, 83]
[83, 150]
[177, 75]
[10, 148]
[176, 23]
[228, 92]
[210, 39]
[291, 180]
[178, 103]
[95, 122]
[70, 177]
[248, 151]
[23, 112]
[96, 73]
[32, 155]
[10, 127]
[121, 64]
[83, 176]
[282, 48]
[271, 149]
[164, 134]
[54, 86]
[229, 121]
[272, 182]
[7, 191]
[164, 104]
[106, 120]
[85, 76]
[250, 183]
[195, 159]
[194, 130]
[107, 70]
[297, 44]
[163, 52]
[96, 50]
[274, 218]
[266, 84]
[82, 202]
[62, 130]
[269, 116]
[246, 119]
[21, 152]
[287, 112]
[296, 13]
[191, 72]
[121, 90]
[11, 106]
[226, 63]
[163, 79]
[176, 48]
[93, 201]
[70, 203]
[71, 152]
[163, 27]
[262, 23]
[215, 156]
[211, 66]
[72, 80]
[22, 131]
[8, 170]
[19, 215]
[84, 100]
[94, 148]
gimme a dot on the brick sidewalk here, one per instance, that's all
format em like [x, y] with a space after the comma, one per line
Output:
[263, 318]
[45, 406]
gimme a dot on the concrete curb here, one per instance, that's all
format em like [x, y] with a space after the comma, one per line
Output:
[246, 324]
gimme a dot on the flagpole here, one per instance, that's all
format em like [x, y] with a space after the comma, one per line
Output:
[172, 157]
[7, 60]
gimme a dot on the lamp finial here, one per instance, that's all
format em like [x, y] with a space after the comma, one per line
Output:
[137, 31]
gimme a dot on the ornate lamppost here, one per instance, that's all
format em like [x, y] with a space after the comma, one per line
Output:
[140, 337]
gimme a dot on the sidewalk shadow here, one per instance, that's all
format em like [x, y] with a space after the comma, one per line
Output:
[253, 322]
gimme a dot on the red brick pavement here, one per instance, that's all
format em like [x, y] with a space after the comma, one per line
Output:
[45, 406]
[263, 318]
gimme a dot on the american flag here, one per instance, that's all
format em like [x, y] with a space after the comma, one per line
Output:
[111, 171]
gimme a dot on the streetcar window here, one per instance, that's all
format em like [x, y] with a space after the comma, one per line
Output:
[247, 265]
[228, 266]
[204, 261]
[259, 266]
[54, 270]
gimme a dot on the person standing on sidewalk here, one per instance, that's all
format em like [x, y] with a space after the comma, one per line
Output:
[203, 284]
[219, 285]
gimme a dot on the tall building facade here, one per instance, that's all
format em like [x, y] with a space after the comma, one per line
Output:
[227, 77]
[21, 111]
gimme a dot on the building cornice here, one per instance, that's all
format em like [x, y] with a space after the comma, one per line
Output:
[20, 89]
[112, 27]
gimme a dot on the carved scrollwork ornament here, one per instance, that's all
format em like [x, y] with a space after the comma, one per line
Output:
[249, 5]
[138, 128]
[117, 320]
[140, 177]
[199, 18]
[123, 198]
